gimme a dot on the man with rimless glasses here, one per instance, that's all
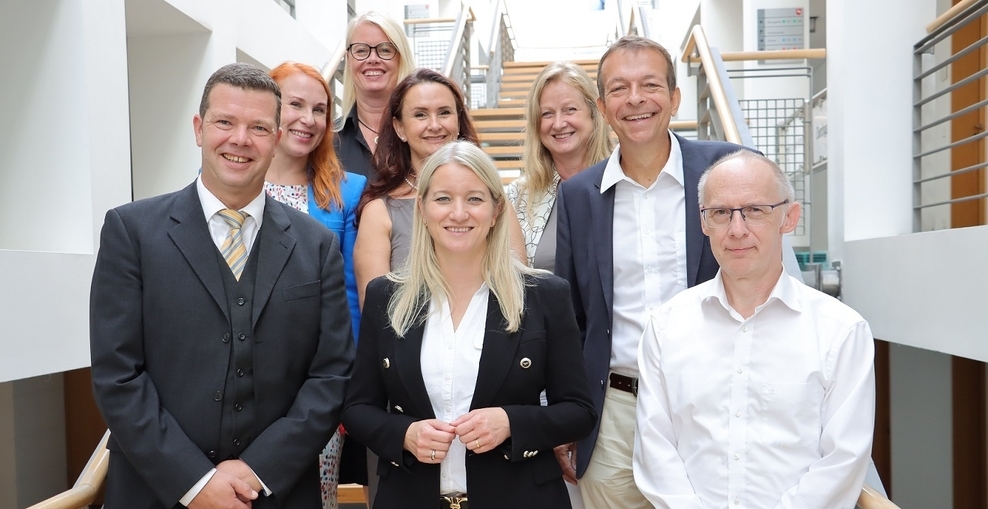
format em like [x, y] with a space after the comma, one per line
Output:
[754, 390]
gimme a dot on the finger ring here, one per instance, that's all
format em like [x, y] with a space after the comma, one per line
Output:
[476, 443]
[433, 455]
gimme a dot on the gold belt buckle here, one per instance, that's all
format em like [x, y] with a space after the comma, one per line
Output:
[454, 501]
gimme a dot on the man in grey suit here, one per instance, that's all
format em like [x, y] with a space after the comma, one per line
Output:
[628, 239]
[220, 337]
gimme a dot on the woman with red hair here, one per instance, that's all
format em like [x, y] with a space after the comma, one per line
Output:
[306, 174]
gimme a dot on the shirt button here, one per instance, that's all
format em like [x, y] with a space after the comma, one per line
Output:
[240, 301]
[744, 329]
[645, 197]
[737, 500]
[241, 336]
[217, 396]
[240, 372]
[737, 456]
[236, 442]
[740, 371]
[238, 407]
[737, 414]
[226, 337]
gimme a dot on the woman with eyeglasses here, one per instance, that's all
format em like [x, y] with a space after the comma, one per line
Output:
[378, 56]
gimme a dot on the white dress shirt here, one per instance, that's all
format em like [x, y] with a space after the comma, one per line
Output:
[450, 361]
[773, 411]
[218, 230]
[649, 250]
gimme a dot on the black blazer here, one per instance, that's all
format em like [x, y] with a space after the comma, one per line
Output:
[585, 258]
[523, 471]
[159, 335]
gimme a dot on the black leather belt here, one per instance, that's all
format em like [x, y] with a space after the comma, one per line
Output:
[624, 383]
[453, 501]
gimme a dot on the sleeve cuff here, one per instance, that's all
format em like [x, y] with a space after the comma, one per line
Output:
[197, 487]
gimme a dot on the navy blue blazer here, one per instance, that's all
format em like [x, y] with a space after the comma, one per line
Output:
[585, 257]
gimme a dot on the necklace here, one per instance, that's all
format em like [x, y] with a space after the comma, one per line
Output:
[369, 128]
[409, 182]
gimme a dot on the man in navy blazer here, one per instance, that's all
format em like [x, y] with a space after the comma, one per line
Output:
[219, 326]
[629, 239]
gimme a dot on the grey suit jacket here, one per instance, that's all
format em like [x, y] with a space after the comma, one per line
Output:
[585, 257]
[158, 316]
[388, 394]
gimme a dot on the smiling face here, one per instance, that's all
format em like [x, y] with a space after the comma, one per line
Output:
[373, 75]
[565, 123]
[745, 251]
[238, 135]
[304, 108]
[428, 120]
[637, 102]
[459, 212]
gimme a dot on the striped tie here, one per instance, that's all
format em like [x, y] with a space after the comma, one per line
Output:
[233, 249]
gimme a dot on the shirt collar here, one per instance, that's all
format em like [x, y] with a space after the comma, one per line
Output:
[613, 173]
[211, 204]
[784, 291]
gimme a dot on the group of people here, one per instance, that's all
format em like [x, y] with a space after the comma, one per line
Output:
[366, 302]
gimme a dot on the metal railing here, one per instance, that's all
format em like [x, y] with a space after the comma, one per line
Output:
[457, 63]
[485, 80]
[935, 108]
[332, 72]
[630, 21]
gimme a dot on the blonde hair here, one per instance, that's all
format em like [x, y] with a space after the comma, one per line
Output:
[396, 34]
[539, 170]
[421, 278]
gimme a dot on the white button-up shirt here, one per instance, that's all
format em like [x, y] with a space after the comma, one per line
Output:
[773, 411]
[649, 250]
[450, 361]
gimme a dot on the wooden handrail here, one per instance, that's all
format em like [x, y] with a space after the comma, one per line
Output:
[949, 15]
[782, 54]
[87, 486]
[871, 499]
[698, 44]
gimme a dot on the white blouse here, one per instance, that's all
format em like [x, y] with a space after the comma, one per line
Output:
[450, 361]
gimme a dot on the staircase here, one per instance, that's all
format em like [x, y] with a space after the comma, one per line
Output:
[502, 129]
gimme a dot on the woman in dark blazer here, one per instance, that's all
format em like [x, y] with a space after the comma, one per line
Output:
[455, 350]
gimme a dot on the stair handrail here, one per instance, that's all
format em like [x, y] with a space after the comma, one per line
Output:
[870, 498]
[638, 12]
[501, 49]
[719, 90]
[87, 486]
[950, 15]
[332, 72]
[457, 64]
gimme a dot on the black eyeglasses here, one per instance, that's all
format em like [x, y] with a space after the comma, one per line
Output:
[717, 217]
[361, 51]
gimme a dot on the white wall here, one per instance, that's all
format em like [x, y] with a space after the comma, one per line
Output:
[66, 163]
[870, 116]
